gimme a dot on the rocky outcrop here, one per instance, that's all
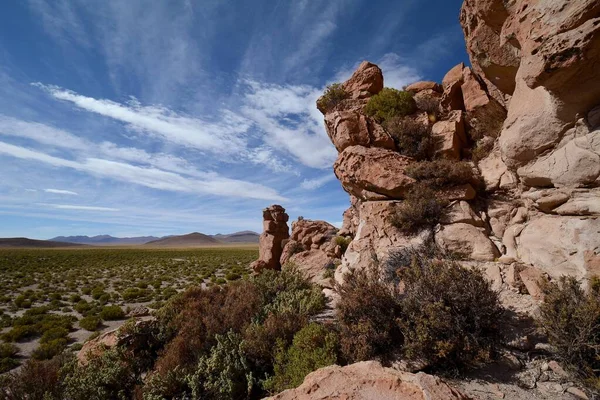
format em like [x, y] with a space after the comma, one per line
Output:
[313, 249]
[369, 380]
[275, 231]
[528, 116]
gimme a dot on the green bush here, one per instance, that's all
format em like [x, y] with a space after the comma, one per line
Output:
[439, 174]
[53, 334]
[343, 242]
[412, 137]
[450, 315]
[232, 276]
[49, 349]
[6, 364]
[390, 103]
[367, 313]
[224, 373]
[333, 95]
[571, 318]
[107, 376]
[421, 209]
[313, 347]
[90, 323]
[8, 350]
[112, 313]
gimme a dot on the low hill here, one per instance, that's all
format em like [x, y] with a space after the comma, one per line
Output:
[238, 237]
[189, 240]
[25, 243]
[105, 239]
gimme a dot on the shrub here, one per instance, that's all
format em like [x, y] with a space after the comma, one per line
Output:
[53, 334]
[232, 276]
[343, 242]
[333, 95]
[111, 313]
[6, 364]
[571, 319]
[450, 315]
[224, 373]
[49, 349]
[82, 307]
[313, 347]
[421, 209]
[429, 104]
[90, 323]
[439, 174]
[367, 311]
[8, 350]
[482, 148]
[36, 380]
[413, 138]
[110, 375]
[390, 103]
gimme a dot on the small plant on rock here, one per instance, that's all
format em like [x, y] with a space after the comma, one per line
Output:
[412, 137]
[390, 103]
[439, 174]
[421, 209]
[333, 95]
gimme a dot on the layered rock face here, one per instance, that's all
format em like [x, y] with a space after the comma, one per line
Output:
[369, 380]
[526, 115]
[275, 231]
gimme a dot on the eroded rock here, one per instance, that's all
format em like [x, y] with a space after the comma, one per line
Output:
[275, 231]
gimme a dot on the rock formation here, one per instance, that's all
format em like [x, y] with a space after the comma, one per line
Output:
[313, 249]
[369, 380]
[275, 231]
[529, 109]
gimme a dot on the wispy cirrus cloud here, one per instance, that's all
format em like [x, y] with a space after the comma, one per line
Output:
[222, 136]
[61, 191]
[78, 207]
[150, 177]
[312, 184]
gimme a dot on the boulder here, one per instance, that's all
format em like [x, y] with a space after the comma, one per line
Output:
[532, 278]
[350, 128]
[460, 192]
[560, 245]
[466, 240]
[373, 173]
[485, 115]
[365, 82]
[375, 237]
[369, 380]
[424, 85]
[452, 98]
[494, 172]
[314, 265]
[461, 212]
[449, 136]
[275, 231]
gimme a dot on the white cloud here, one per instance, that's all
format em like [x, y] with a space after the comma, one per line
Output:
[151, 177]
[222, 137]
[61, 191]
[291, 123]
[40, 133]
[396, 73]
[76, 207]
[312, 184]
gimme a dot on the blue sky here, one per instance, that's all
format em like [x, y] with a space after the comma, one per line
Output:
[161, 117]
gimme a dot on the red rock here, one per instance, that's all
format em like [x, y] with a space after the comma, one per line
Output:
[532, 279]
[452, 97]
[366, 81]
[373, 173]
[270, 242]
[484, 114]
[369, 380]
[351, 128]
[449, 136]
[424, 85]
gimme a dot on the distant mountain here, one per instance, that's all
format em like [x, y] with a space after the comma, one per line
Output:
[105, 239]
[238, 237]
[189, 240]
[25, 242]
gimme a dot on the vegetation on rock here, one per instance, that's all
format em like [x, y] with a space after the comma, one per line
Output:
[412, 137]
[390, 103]
[421, 209]
[333, 95]
[438, 174]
